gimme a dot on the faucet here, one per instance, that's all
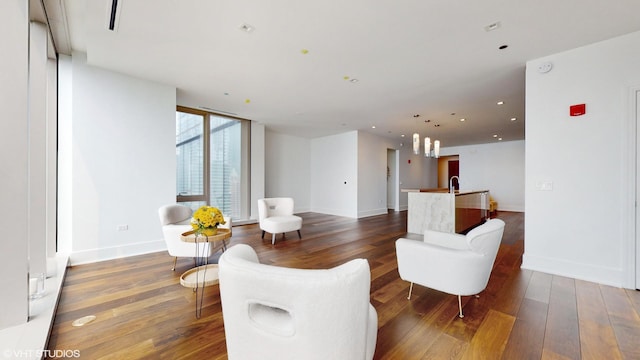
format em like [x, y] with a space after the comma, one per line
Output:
[451, 188]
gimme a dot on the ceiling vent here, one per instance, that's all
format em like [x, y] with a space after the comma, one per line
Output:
[114, 16]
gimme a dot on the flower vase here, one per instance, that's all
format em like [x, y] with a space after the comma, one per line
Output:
[210, 231]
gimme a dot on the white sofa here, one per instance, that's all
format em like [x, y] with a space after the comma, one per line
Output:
[273, 312]
[452, 263]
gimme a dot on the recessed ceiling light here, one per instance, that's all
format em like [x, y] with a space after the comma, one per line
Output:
[373, 126]
[502, 47]
[416, 115]
[354, 80]
[500, 102]
[402, 135]
[463, 119]
[246, 28]
[495, 135]
[491, 27]
[514, 119]
[499, 139]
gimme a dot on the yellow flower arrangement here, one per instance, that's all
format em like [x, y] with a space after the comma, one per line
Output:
[206, 219]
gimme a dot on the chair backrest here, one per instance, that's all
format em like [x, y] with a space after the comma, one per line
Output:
[175, 214]
[269, 207]
[284, 313]
[485, 239]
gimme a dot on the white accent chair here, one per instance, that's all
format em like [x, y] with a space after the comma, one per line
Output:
[175, 220]
[452, 263]
[273, 312]
[276, 216]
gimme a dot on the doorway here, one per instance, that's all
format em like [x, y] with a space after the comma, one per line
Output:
[393, 185]
[448, 166]
[454, 170]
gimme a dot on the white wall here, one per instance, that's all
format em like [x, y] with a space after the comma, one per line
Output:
[37, 235]
[288, 170]
[498, 167]
[258, 151]
[334, 174]
[578, 228]
[122, 169]
[14, 142]
[416, 171]
[372, 174]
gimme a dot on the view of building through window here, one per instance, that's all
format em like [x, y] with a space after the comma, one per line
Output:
[209, 161]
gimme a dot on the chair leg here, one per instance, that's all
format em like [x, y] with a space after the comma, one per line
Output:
[299, 236]
[410, 289]
[263, 234]
[460, 306]
[175, 259]
[273, 239]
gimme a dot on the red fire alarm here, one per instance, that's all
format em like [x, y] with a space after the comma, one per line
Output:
[577, 110]
[409, 161]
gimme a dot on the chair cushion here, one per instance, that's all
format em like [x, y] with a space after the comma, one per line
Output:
[280, 224]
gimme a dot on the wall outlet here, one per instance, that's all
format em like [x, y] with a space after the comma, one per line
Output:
[122, 227]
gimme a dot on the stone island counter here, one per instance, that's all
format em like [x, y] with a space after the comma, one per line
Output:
[440, 210]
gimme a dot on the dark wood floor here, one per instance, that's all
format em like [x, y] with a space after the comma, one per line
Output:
[143, 312]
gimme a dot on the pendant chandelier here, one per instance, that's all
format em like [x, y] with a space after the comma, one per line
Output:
[427, 148]
[428, 152]
[416, 143]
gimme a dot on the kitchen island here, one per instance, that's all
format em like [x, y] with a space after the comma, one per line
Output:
[441, 210]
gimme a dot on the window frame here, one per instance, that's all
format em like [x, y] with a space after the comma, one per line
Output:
[245, 149]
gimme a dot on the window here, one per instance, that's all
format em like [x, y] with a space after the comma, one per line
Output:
[212, 161]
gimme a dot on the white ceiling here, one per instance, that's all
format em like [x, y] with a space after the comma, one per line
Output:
[426, 57]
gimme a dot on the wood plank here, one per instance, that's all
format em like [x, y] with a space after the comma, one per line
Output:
[562, 335]
[539, 288]
[445, 347]
[527, 336]
[491, 338]
[597, 339]
[624, 320]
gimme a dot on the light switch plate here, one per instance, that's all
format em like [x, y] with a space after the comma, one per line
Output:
[544, 185]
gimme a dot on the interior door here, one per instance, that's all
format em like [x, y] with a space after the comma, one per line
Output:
[454, 170]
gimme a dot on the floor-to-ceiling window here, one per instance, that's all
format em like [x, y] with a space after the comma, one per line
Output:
[212, 161]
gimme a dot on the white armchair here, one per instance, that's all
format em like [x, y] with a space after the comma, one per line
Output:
[276, 216]
[175, 220]
[273, 312]
[452, 263]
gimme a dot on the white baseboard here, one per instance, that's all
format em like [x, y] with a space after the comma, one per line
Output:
[372, 212]
[116, 252]
[580, 271]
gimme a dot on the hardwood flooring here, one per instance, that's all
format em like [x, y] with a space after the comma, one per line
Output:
[142, 312]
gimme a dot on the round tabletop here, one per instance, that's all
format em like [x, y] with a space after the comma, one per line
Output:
[190, 236]
[205, 275]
